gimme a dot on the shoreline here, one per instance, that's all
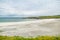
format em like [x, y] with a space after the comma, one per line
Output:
[30, 21]
[31, 28]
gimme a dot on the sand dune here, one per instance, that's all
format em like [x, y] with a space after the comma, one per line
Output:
[31, 28]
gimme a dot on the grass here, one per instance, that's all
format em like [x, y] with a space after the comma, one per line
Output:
[30, 38]
[45, 17]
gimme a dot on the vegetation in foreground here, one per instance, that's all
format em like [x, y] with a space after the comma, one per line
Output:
[30, 38]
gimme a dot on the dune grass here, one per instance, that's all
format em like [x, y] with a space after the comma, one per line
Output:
[45, 17]
[30, 38]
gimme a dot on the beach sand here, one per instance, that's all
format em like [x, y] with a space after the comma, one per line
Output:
[31, 28]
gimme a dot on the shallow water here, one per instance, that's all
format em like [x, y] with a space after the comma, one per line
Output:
[12, 19]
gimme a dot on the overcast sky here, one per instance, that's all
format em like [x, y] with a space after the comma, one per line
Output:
[29, 7]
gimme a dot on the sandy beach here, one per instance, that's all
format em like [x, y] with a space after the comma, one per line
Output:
[31, 28]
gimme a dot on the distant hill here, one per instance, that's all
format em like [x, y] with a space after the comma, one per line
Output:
[44, 17]
[35, 17]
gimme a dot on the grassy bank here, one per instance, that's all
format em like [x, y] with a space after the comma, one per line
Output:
[44, 17]
[30, 38]
[48, 17]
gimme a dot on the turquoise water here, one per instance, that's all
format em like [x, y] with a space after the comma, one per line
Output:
[11, 19]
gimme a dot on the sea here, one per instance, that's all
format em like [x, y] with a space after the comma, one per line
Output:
[12, 19]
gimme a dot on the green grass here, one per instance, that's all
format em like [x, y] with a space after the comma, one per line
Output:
[48, 17]
[30, 38]
[44, 17]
